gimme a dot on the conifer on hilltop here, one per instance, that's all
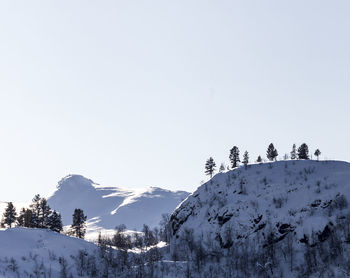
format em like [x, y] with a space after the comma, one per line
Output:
[245, 158]
[303, 152]
[10, 215]
[271, 153]
[44, 213]
[40, 215]
[222, 167]
[234, 157]
[293, 153]
[210, 166]
[35, 208]
[317, 154]
[79, 223]
[25, 218]
[54, 222]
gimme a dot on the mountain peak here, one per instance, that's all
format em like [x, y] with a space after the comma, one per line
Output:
[113, 205]
[74, 180]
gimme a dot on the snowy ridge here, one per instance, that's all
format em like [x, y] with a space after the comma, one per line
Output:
[107, 207]
[279, 197]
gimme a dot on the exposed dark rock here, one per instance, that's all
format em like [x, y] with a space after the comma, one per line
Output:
[326, 204]
[316, 203]
[324, 235]
[224, 218]
[285, 228]
[261, 226]
[177, 222]
[313, 245]
[305, 240]
[258, 219]
[227, 244]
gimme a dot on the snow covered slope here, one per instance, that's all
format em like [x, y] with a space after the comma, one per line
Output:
[277, 198]
[42, 253]
[39, 253]
[107, 207]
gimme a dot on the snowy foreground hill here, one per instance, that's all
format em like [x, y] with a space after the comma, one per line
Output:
[28, 252]
[41, 253]
[107, 207]
[284, 217]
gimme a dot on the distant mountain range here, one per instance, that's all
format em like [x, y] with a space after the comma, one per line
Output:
[108, 207]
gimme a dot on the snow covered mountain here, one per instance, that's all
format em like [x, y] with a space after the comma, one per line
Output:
[285, 205]
[300, 196]
[280, 219]
[107, 207]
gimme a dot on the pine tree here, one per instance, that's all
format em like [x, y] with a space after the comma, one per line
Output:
[35, 209]
[44, 213]
[293, 153]
[210, 167]
[259, 160]
[79, 226]
[40, 212]
[20, 218]
[54, 222]
[222, 167]
[303, 152]
[234, 157]
[317, 154]
[245, 158]
[9, 216]
[25, 218]
[271, 153]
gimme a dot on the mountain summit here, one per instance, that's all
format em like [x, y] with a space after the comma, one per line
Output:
[76, 182]
[107, 207]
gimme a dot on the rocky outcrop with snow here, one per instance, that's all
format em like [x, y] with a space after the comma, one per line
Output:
[107, 207]
[306, 198]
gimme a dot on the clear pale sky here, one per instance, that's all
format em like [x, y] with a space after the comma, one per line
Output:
[141, 93]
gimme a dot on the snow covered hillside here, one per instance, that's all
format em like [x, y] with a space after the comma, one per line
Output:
[280, 197]
[280, 219]
[28, 252]
[107, 207]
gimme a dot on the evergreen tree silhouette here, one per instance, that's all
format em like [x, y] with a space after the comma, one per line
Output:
[271, 153]
[210, 166]
[234, 157]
